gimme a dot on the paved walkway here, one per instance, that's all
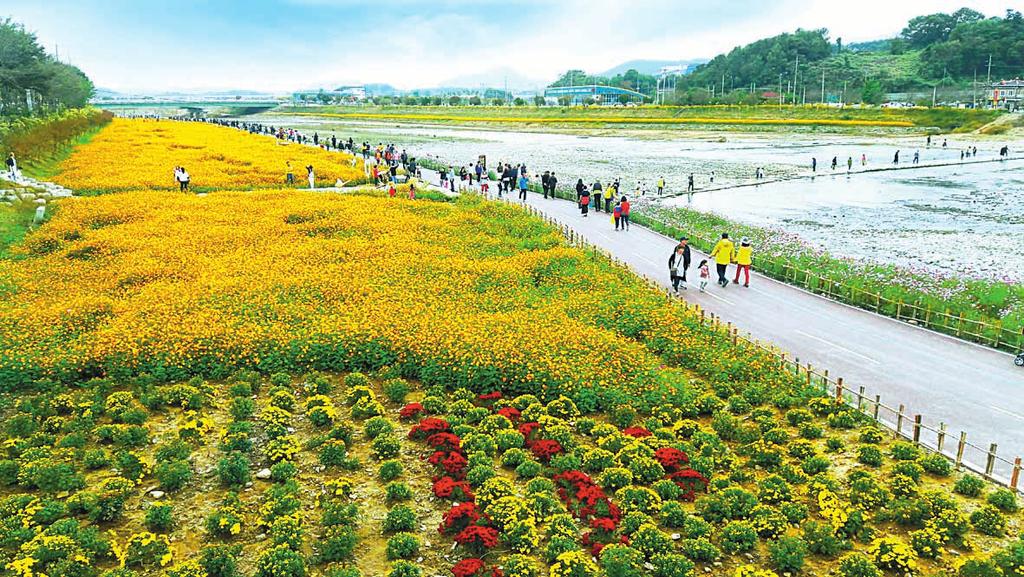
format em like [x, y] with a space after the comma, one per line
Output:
[968, 387]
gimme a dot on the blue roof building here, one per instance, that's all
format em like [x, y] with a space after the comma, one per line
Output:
[600, 94]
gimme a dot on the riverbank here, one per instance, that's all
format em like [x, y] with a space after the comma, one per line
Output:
[658, 117]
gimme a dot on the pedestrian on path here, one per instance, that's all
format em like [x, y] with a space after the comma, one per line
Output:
[705, 274]
[679, 259]
[12, 166]
[849, 163]
[310, 176]
[834, 159]
[624, 203]
[917, 156]
[896, 158]
[617, 215]
[544, 179]
[863, 159]
[597, 195]
[712, 177]
[744, 259]
[689, 183]
[611, 195]
[723, 255]
[523, 183]
[580, 189]
[585, 203]
[552, 182]
[661, 186]
[814, 164]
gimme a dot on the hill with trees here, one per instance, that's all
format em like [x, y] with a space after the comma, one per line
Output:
[33, 82]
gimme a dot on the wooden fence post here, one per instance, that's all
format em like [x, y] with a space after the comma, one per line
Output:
[990, 459]
[860, 398]
[941, 436]
[878, 403]
[1015, 476]
[917, 429]
[839, 389]
[899, 421]
[960, 449]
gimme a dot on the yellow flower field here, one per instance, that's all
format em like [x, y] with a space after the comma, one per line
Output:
[133, 154]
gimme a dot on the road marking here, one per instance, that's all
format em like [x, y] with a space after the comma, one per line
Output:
[1011, 413]
[840, 347]
[714, 296]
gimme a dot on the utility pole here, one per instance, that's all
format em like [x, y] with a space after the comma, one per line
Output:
[823, 86]
[780, 89]
[796, 71]
[842, 98]
[974, 89]
[988, 77]
[723, 85]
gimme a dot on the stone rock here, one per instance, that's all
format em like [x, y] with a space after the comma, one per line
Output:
[157, 494]
[676, 536]
[263, 474]
[649, 566]
[248, 484]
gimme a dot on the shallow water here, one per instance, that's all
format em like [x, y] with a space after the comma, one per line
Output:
[962, 220]
[965, 220]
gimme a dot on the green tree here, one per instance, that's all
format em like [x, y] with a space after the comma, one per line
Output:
[872, 92]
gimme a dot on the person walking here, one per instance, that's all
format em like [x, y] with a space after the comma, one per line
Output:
[896, 158]
[289, 175]
[661, 186]
[597, 195]
[544, 179]
[310, 176]
[552, 182]
[610, 195]
[744, 258]
[917, 156]
[814, 164]
[580, 189]
[585, 203]
[624, 203]
[834, 159]
[12, 166]
[185, 179]
[723, 255]
[679, 259]
[705, 274]
[863, 159]
[523, 184]
[617, 214]
[689, 183]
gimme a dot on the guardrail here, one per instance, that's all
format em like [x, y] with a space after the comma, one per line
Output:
[901, 421]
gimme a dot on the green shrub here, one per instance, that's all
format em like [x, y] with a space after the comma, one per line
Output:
[936, 464]
[479, 474]
[389, 470]
[821, 539]
[280, 562]
[672, 565]
[173, 475]
[869, 455]
[969, 486]
[909, 469]
[615, 478]
[94, 459]
[738, 536]
[338, 543]
[242, 408]
[159, 518]
[377, 426]
[233, 470]
[385, 447]
[871, 435]
[395, 390]
[989, 521]
[621, 561]
[220, 560]
[673, 514]
[404, 569]
[811, 431]
[281, 472]
[700, 550]
[903, 451]
[730, 503]
[980, 568]
[1011, 559]
[858, 565]
[508, 439]
[815, 464]
[529, 469]
[1004, 500]
[795, 513]
[397, 491]
[513, 457]
[834, 444]
[650, 541]
[402, 546]
[667, 490]
[400, 518]
[787, 554]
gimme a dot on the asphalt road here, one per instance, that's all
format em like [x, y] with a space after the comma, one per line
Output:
[966, 386]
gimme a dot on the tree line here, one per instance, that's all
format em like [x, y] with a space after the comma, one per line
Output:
[32, 82]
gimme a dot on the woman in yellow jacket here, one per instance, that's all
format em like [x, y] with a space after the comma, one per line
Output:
[723, 255]
[743, 260]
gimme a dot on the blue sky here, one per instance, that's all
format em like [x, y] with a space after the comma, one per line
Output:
[280, 45]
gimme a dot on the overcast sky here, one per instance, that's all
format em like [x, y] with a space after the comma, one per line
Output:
[280, 45]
